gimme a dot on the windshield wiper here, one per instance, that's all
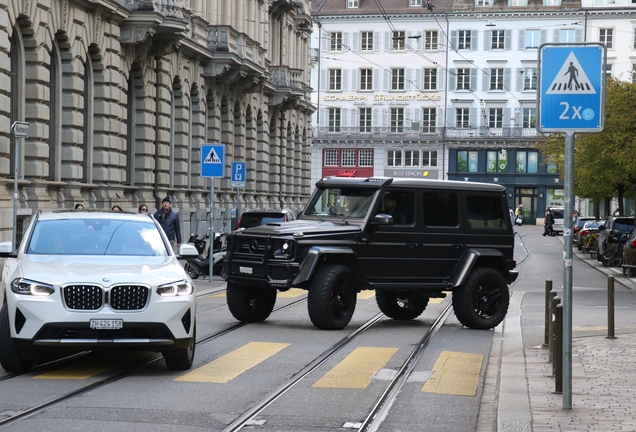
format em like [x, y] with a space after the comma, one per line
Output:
[341, 217]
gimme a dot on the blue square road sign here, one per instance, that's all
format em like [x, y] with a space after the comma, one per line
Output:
[212, 160]
[572, 87]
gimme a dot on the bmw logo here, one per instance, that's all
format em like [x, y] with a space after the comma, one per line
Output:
[105, 279]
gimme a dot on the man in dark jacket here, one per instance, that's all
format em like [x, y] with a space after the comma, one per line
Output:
[169, 221]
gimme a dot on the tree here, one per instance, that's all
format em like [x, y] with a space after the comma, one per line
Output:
[604, 162]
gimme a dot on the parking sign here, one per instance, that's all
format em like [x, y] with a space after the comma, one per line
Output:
[572, 87]
[238, 174]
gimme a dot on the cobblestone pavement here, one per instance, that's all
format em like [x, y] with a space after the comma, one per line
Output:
[603, 386]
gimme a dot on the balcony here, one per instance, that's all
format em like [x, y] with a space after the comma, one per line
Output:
[416, 132]
[492, 133]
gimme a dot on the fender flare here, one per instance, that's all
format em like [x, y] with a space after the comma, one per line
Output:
[469, 260]
[315, 254]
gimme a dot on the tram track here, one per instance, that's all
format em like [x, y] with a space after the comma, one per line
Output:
[135, 368]
[383, 404]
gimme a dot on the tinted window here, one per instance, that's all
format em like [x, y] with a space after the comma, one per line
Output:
[557, 213]
[485, 212]
[254, 219]
[623, 225]
[441, 209]
[400, 205]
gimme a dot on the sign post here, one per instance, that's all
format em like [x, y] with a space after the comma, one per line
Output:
[571, 99]
[20, 130]
[238, 181]
[212, 164]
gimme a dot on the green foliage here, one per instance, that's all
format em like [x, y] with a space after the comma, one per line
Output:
[603, 161]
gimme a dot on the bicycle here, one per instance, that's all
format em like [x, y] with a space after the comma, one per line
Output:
[614, 257]
[590, 242]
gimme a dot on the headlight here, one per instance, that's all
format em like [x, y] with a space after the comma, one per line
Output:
[283, 249]
[180, 288]
[29, 287]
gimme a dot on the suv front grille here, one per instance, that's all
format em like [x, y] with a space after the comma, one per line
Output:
[252, 246]
[128, 297]
[83, 297]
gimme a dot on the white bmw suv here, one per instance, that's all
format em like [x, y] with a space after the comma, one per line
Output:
[89, 280]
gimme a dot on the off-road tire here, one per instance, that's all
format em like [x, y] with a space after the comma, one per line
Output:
[332, 297]
[401, 305]
[482, 301]
[250, 304]
[11, 359]
[181, 359]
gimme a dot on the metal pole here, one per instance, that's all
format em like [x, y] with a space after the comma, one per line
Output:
[15, 194]
[211, 239]
[558, 369]
[610, 308]
[238, 202]
[546, 330]
[567, 271]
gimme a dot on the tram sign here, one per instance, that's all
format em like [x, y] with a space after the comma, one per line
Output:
[572, 87]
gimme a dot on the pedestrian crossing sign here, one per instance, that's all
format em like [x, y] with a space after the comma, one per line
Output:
[572, 87]
[212, 156]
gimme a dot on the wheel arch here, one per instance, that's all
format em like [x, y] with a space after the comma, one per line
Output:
[318, 255]
[480, 258]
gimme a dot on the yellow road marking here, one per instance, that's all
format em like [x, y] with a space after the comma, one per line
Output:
[357, 370]
[366, 294]
[291, 293]
[92, 366]
[455, 373]
[219, 295]
[233, 364]
[435, 300]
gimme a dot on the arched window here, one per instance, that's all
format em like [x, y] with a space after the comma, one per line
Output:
[16, 102]
[55, 117]
[87, 147]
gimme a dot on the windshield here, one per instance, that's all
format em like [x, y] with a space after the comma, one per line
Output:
[341, 202]
[96, 237]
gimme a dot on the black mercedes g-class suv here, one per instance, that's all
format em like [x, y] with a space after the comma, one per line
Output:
[407, 239]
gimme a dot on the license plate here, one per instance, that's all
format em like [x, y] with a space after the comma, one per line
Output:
[107, 324]
[245, 270]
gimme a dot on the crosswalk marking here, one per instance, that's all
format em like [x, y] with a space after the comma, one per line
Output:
[357, 370]
[455, 373]
[367, 294]
[233, 364]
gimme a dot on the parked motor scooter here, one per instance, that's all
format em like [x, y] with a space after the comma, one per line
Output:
[200, 266]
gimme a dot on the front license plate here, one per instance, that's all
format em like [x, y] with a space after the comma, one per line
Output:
[107, 324]
[245, 270]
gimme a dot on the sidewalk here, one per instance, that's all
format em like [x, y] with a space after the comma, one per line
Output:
[518, 392]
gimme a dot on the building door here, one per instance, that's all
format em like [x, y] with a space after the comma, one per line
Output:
[527, 198]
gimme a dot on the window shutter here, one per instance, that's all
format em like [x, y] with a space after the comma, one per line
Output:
[440, 117]
[578, 35]
[387, 80]
[376, 79]
[453, 41]
[408, 77]
[345, 42]
[519, 117]
[375, 117]
[323, 79]
[417, 83]
[473, 79]
[441, 39]
[452, 79]
[507, 79]
[453, 119]
[519, 79]
[355, 41]
[324, 42]
[487, 40]
[506, 119]
[323, 117]
[385, 117]
[387, 41]
[418, 41]
[522, 40]
[344, 117]
[354, 117]
[508, 40]
[345, 80]
[354, 79]
[376, 41]
[474, 38]
[485, 83]
[441, 77]
[556, 35]
[473, 117]
[543, 36]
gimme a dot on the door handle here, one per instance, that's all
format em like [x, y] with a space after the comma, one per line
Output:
[456, 245]
[411, 244]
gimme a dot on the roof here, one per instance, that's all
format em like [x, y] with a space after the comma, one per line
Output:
[378, 182]
[370, 7]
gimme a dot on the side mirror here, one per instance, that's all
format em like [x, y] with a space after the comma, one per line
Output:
[6, 250]
[601, 227]
[188, 251]
[300, 212]
[382, 219]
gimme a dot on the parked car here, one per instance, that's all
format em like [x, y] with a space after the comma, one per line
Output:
[580, 222]
[557, 213]
[95, 280]
[629, 251]
[252, 218]
[590, 227]
[611, 230]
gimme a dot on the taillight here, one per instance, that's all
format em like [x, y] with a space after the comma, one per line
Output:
[584, 233]
[634, 243]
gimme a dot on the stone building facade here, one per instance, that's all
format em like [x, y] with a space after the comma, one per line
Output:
[121, 95]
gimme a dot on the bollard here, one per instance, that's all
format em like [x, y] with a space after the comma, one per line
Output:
[610, 307]
[546, 330]
[555, 301]
[550, 306]
[557, 366]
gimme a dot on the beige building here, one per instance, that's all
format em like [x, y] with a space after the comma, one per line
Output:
[121, 95]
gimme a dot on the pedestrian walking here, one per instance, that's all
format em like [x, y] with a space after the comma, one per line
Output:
[519, 215]
[169, 221]
[143, 208]
[512, 219]
[79, 206]
[548, 224]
